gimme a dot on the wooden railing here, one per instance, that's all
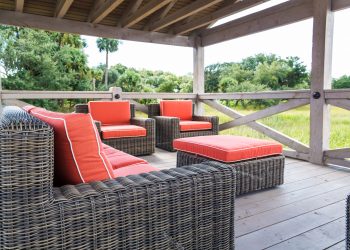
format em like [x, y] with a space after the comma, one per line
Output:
[293, 99]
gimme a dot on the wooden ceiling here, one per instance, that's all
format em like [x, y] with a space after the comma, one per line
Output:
[176, 22]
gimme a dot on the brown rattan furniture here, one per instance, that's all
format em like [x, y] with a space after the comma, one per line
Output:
[168, 129]
[251, 175]
[144, 145]
[181, 208]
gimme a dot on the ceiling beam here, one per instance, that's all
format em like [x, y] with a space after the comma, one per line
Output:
[144, 12]
[183, 13]
[100, 11]
[340, 4]
[131, 9]
[162, 13]
[62, 7]
[85, 28]
[286, 13]
[19, 5]
[225, 11]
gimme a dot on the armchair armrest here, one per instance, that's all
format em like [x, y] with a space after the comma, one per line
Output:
[214, 120]
[142, 122]
[98, 126]
[165, 209]
[81, 108]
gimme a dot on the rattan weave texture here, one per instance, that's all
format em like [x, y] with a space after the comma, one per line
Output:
[181, 208]
[144, 145]
[252, 175]
[168, 128]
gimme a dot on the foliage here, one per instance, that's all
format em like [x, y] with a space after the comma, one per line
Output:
[342, 82]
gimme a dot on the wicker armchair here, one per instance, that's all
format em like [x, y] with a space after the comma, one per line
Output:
[144, 145]
[168, 129]
[186, 208]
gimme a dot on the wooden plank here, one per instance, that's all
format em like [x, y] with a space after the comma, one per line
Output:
[283, 191]
[131, 9]
[84, 28]
[198, 77]
[318, 238]
[144, 12]
[344, 104]
[338, 153]
[321, 77]
[278, 136]
[296, 155]
[10, 95]
[138, 95]
[189, 10]
[285, 230]
[284, 94]
[340, 4]
[282, 107]
[102, 10]
[62, 7]
[225, 11]
[274, 216]
[285, 13]
[337, 93]
[19, 5]
[162, 13]
[338, 162]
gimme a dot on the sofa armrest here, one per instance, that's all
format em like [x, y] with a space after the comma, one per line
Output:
[81, 108]
[168, 209]
[214, 120]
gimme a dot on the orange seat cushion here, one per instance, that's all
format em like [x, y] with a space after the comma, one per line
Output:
[121, 131]
[194, 125]
[110, 113]
[134, 169]
[227, 148]
[78, 152]
[174, 108]
[119, 159]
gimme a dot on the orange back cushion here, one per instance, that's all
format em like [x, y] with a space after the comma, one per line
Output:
[79, 156]
[110, 113]
[180, 109]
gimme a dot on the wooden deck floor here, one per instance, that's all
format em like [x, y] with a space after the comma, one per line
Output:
[307, 212]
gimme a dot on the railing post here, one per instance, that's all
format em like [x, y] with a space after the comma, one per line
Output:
[198, 74]
[322, 43]
[116, 93]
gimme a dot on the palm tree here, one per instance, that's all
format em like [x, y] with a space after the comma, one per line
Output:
[108, 45]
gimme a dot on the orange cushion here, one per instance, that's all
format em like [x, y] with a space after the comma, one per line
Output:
[120, 159]
[79, 156]
[175, 108]
[121, 131]
[227, 148]
[110, 113]
[194, 125]
[134, 169]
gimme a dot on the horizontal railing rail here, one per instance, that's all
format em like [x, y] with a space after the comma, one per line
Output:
[293, 99]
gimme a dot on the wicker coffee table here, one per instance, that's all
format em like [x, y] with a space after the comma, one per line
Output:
[259, 164]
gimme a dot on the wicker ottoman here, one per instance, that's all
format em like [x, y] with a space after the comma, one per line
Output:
[259, 164]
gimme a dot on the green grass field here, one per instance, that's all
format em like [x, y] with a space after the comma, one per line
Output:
[296, 124]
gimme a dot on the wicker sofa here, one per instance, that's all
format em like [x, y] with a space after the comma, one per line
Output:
[144, 145]
[182, 208]
[168, 129]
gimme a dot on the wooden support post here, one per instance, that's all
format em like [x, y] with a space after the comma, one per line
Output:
[320, 79]
[198, 75]
[116, 93]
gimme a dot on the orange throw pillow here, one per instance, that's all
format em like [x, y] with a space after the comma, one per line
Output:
[79, 155]
[174, 108]
[110, 113]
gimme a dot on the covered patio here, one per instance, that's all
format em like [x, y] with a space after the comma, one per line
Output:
[308, 211]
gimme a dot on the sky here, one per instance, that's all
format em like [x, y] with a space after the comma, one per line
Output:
[290, 40]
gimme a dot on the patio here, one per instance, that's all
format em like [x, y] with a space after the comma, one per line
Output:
[307, 212]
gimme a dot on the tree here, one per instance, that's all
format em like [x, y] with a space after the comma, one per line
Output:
[108, 45]
[341, 83]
